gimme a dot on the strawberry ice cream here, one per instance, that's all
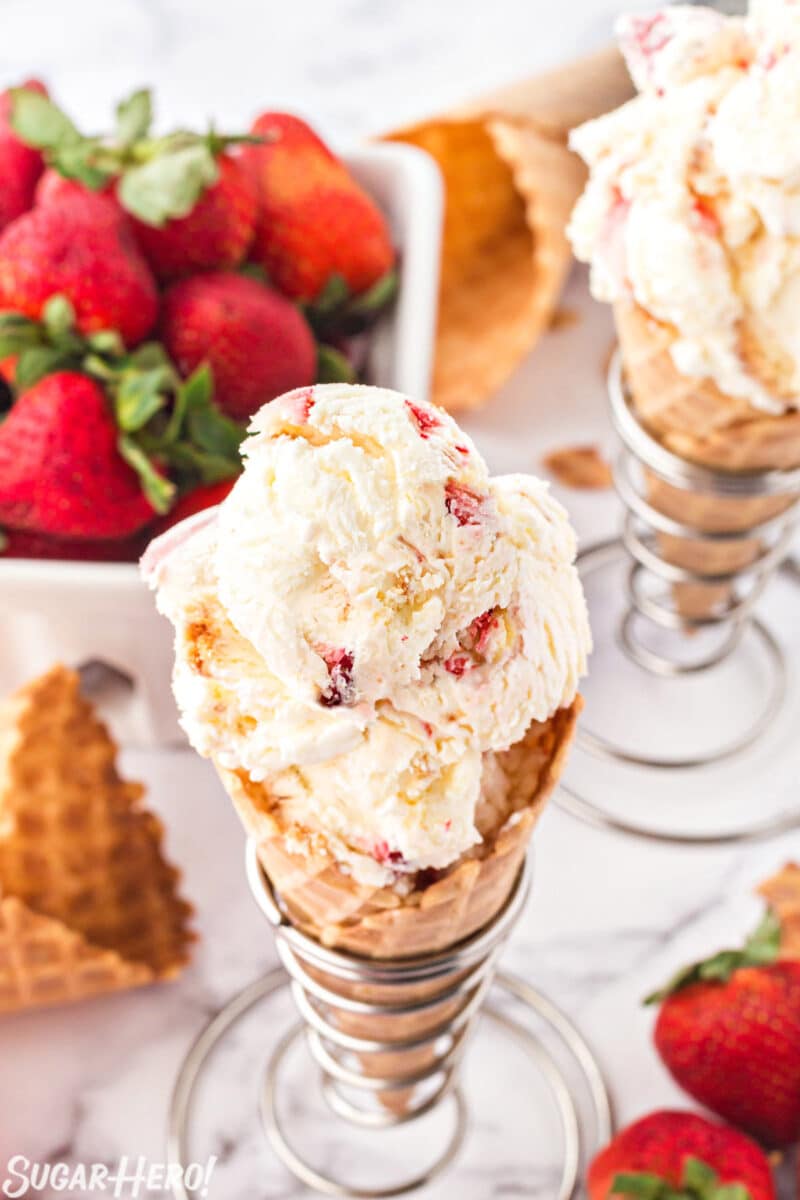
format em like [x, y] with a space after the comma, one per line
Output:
[366, 617]
[692, 210]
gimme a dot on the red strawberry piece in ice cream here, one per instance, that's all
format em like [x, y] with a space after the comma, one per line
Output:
[463, 503]
[481, 629]
[340, 689]
[649, 34]
[424, 419]
[458, 664]
[383, 854]
[704, 218]
[298, 404]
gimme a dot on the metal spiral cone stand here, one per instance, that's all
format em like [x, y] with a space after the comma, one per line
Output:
[689, 587]
[388, 1038]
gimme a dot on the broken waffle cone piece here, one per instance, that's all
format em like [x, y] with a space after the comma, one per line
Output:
[441, 911]
[44, 962]
[580, 467]
[699, 423]
[82, 875]
[782, 894]
[510, 186]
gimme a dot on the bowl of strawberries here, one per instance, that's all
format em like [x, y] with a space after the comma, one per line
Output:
[155, 291]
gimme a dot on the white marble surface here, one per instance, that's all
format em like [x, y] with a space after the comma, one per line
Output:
[609, 917]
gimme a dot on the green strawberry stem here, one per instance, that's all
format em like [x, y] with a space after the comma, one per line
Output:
[159, 490]
[158, 178]
[333, 366]
[760, 949]
[700, 1182]
[170, 430]
[337, 311]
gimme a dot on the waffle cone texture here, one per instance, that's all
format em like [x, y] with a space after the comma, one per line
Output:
[444, 907]
[88, 903]
[510, 185]
[696, 421]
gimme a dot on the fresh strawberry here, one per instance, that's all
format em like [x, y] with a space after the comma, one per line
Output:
[680, 1156]
[170, 430]
[19, 543]
[200, 498]
[215, 235]
[20, 165]
[193, 204]
[316, 225]
[61, 472]
[54, 189]
[256, 342]
[95, 263]
[729, 1032]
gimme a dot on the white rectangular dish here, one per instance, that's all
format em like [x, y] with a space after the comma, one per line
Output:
[80, 613]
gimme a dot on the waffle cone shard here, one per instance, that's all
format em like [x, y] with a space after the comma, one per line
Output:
[81, 866]
[42, 962]
[696, 421]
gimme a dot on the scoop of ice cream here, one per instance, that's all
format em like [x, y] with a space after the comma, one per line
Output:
[373, 523]
[403, 800]
[673, 45]
[518, 661]
[692, 209]
[365, 616]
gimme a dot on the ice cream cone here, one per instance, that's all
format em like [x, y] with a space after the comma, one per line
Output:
[510, 185]
[698, 422]
[89, 903]
[509, 191]
[438, 913]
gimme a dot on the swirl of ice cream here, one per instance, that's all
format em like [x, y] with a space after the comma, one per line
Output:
[365, 616]
[692, 209]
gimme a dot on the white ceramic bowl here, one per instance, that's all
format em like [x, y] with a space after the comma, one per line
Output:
[82, 613]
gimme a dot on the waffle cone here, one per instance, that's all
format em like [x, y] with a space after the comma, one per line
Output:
[89, 903]
[696, 421]
[510, 186]
[509, 191]
[378, 923]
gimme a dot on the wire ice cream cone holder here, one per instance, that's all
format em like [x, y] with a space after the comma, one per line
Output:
[658, 634]
[388, 1038]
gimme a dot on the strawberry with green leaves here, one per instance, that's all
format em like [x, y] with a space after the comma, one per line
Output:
[20, 165]
[318, 233]
[728, 1030]
[61, 470]
[168, 432]
[256, 342]
[680, 1156]
[192, 202]
[88, 256]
